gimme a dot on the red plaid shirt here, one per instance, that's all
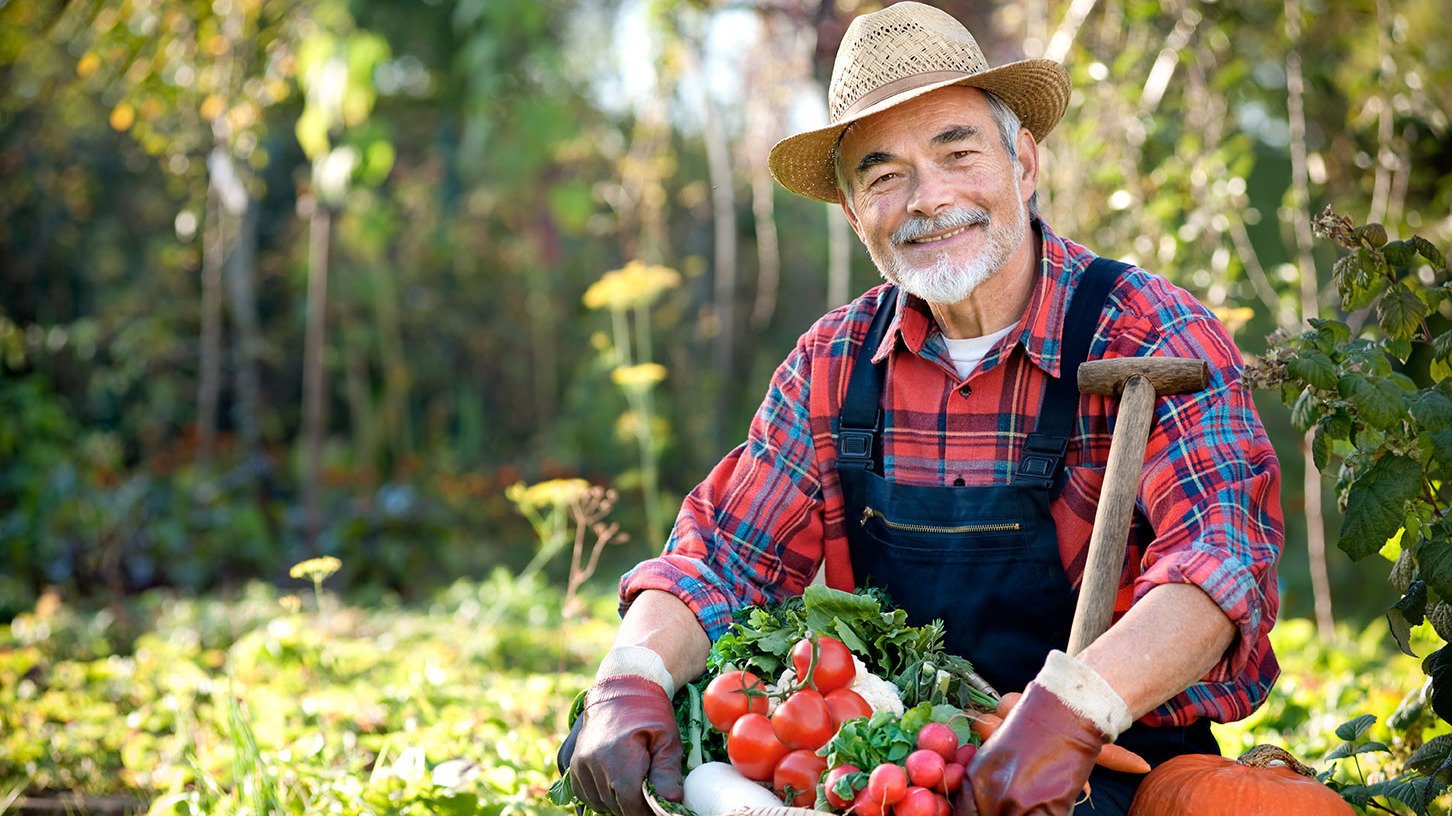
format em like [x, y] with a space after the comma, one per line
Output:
[764, 520]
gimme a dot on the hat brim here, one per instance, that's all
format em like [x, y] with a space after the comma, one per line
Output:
[1037, 90]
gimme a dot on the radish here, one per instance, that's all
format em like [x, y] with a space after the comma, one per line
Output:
[939, 738]
[925, 768]
[917, 802]
[952, 777]
[887, 783]
[832, 777]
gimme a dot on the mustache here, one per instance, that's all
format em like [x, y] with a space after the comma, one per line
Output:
[918, 227]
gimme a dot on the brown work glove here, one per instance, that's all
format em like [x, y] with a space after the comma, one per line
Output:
[1037, 762]
[628, 732]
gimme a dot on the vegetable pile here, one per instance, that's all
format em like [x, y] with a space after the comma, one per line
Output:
[830, 701]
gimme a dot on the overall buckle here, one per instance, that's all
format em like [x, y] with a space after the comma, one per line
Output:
[1041, 459]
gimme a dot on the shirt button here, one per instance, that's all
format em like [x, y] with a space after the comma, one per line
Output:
[965, 390]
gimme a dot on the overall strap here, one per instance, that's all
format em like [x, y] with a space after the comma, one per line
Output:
[1043, 456]
[859, 432]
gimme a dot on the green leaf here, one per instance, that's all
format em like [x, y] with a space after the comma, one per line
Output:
[1347, 749]
[1400, 312]
[1320, 447]
[1416, 792]
[1333, 332]
[1380, 403]
[1434, 561]
[1305, 411]
[1432, 410]
[1351, 730]
[1429, 251]
[1399, 253]
[1441, 443]
[1374, 504]
[1438, 666]
[1337, 425]
[1314, 368]
[1442, 346]
[1433, 755]
[1409, 610]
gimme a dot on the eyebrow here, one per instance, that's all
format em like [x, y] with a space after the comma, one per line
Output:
[954, 134]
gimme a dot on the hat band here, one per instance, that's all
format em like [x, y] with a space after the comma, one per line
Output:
[898, 86]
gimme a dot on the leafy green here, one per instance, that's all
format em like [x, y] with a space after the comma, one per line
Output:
[1374, 505]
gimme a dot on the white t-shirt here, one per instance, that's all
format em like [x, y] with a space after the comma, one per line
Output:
[968, 352]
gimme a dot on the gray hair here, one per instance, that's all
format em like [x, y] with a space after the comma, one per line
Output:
[1008, 126]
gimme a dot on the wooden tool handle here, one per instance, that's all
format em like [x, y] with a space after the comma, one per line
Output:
[1107, 543]
[1166, 375]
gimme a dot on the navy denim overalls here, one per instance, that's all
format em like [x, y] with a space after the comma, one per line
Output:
[986, 559]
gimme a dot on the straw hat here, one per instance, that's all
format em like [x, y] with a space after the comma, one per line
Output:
[901, 52]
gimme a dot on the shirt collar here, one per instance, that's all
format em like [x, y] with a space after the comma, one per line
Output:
[1038, 330]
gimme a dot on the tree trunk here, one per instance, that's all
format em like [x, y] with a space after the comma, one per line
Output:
[1300, 205]
[839, 257]
[209, 380]
[241, 274]
[314, 395]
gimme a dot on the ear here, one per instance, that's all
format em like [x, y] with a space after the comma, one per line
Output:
[851, 216]
[1028, 163]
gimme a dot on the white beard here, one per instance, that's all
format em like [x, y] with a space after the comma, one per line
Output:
[945, 281]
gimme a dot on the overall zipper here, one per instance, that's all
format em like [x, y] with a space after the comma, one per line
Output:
[868, 514]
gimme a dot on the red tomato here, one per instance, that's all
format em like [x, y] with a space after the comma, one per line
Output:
[924, 768]
[939, 738]
[952, 778]
[834, 670]
[917, 802]
[753, 748]
[887, 783]
[800, 771]
[832, 776]
[803, 721]
[725, 698]
[846, 704]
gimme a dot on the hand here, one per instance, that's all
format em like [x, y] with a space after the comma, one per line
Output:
[1036, 763]
[628, 733]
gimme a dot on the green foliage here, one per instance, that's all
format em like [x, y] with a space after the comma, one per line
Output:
[256, 705]
[1387, 420]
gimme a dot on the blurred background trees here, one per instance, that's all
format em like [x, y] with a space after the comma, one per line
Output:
[285, 279]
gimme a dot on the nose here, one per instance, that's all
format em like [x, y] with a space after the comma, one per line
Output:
[932, 192]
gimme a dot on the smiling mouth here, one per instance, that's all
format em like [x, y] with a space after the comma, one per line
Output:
[930, 239]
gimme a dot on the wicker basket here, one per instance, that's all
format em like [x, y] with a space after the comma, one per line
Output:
[744, 811]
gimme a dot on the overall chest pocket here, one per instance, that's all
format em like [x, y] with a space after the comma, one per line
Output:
[912, 539]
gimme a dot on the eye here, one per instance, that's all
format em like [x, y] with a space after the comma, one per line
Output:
[960, 154]
[881, 179]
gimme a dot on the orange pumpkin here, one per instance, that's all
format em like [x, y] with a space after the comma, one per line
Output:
[1265, 781]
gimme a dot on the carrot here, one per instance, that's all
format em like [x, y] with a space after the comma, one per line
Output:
[1111, 757]
[1007, 702]
[1118, 758]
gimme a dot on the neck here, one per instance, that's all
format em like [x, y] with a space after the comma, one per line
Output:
[999, 301]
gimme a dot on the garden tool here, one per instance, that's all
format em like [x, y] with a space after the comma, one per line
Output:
[1137, 381]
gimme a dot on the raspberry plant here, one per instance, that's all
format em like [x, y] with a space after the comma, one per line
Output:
[1373, 387]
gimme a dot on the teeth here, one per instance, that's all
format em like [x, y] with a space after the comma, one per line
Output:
[930, 240]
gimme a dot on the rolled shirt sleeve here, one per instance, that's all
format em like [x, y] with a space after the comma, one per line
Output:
[752, 531]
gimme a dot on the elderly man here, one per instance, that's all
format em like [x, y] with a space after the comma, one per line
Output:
[929, 438]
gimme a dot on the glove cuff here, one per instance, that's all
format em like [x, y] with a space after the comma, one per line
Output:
[639, 661]
[1085, 693]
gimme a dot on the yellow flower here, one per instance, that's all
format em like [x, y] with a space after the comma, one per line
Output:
[316, 569]
[291, 603]
[634, 285]
[1234, 318]
[638, 377]
[553, 493]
